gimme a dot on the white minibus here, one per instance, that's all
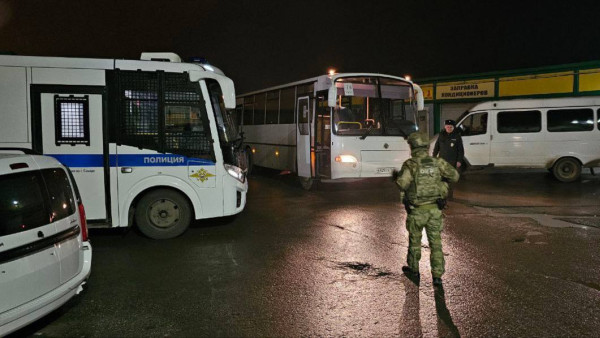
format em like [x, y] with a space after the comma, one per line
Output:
[559, 134]
[337, 126]
[151, 140]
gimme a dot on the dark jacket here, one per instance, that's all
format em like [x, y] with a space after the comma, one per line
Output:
[449, 147]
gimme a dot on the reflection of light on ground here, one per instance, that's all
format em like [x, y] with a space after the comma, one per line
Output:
[5, 13]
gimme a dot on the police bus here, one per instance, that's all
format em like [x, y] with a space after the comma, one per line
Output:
[151, 140]
[335, 126]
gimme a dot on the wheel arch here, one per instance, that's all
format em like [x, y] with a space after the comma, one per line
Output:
[558, 158]
[150, 184]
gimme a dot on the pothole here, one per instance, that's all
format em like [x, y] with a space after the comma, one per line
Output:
[365, 269]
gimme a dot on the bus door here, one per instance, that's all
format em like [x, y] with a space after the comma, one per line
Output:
[303, 137]
[323, 139]
[68, 124]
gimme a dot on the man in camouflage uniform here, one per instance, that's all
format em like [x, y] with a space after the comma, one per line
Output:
[422, 180]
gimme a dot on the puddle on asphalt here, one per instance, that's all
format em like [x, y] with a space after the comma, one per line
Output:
[590, 285]
[552, 221]
[365, 268]
[587, 221]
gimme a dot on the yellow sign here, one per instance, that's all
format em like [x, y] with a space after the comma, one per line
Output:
[202, 175]
[550, 83]
[427, 92]
[465, 89]
[589, 80]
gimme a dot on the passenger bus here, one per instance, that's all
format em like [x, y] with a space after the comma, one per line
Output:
[149, 140]
[336, 126]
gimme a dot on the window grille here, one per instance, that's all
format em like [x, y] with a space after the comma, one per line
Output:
[163, 112]
[71, 118]
[186, 123]
[139, 109]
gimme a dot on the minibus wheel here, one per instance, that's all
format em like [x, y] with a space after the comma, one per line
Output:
[567, 169]
[163, 214]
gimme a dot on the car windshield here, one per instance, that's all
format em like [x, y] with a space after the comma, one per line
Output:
[374, 106]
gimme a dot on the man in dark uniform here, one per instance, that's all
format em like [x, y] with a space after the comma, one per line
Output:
[449, 146]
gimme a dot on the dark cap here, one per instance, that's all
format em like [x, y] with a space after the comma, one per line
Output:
[450, 122]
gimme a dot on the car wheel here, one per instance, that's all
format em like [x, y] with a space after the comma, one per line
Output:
[163, 214]
[567, 169]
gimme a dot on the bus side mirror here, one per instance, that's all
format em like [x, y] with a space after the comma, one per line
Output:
[331, 96]
[419, 97]
[225, 83]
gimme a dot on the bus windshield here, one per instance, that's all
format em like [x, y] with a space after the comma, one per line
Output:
[226, 123]
[374, 106]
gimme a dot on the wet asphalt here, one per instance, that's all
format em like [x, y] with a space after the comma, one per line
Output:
[522, 259]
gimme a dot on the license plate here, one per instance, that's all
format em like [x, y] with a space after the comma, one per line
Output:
[384, 170]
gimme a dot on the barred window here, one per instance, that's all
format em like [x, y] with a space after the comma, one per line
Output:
[186, 123]
[139, 109]
[163, 112]
[71, 118]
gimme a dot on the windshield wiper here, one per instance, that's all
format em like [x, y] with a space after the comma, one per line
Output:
[367, 132]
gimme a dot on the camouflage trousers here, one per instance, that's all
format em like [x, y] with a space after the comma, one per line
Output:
[431, 220]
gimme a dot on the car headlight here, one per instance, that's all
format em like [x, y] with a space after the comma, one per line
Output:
[236, 172]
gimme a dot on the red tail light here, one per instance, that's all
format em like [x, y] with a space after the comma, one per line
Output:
[83, 222]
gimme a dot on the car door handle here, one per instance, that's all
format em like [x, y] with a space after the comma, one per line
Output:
[126, 170]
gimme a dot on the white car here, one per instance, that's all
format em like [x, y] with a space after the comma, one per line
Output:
[45, 255]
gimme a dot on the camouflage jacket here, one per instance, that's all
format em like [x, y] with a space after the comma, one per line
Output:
[406, 178]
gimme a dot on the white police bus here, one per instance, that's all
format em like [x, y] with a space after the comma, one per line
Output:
[336, 126]
[150, 140]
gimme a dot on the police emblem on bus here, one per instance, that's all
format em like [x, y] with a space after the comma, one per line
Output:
[202, 175]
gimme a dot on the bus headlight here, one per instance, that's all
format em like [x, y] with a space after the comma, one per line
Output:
[236, 172]
[346, 159]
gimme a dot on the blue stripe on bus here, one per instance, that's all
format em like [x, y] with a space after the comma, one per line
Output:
[78, 161]
[129, 160]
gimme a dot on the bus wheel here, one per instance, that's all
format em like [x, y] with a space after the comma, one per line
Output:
[306, 182]
[567, 169]
[163, 214]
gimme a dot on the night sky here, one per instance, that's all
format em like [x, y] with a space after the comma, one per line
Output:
[266, 43]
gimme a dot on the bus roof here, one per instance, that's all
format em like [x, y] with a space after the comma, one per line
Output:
[538, 103]
[95, 63]
[322, 78]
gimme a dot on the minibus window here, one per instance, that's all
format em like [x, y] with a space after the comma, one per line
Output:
[475, 124]
[528, 121]
[567, 120]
